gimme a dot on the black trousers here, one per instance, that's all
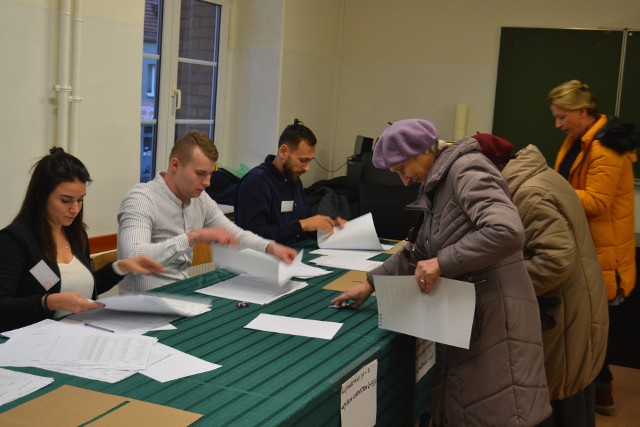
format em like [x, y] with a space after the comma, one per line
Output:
[575, 411]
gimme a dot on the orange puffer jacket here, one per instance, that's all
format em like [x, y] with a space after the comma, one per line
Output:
[603, 179]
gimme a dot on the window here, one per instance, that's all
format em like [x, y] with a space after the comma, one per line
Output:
[180, 78]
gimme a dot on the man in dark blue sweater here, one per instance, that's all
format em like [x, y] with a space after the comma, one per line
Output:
[270, 199]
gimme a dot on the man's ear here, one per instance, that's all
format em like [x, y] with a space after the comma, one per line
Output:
[283, 151]
[174, 163]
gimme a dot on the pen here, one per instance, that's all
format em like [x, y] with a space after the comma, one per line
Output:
[98, 327]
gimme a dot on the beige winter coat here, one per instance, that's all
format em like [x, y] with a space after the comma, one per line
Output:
[562, 262]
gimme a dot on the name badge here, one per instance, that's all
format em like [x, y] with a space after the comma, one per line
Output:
[287, 206]
[45, 275]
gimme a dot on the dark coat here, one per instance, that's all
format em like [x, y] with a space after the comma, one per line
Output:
[20, 292]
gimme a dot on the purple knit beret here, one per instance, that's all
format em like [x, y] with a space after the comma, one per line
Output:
[403, 140]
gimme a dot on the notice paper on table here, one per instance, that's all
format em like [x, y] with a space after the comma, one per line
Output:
[444, 315]
[358, 233]
[155, 304]
[14, 385]
[257, 264]
[246, 288]
[295, 326]
[359, 397]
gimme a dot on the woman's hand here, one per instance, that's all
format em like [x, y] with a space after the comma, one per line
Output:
[140, 264]
[427, 272]
[71, 301]
[358, 294]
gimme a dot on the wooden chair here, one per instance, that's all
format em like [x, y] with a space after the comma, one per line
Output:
[202, 260]
[104, 258]
[201, 254]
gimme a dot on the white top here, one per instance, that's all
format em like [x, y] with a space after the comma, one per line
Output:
[153, 222]
[75, 277]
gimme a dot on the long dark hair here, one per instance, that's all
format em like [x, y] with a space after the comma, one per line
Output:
[49, 172]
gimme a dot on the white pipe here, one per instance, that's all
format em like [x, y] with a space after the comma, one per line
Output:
[63, 88]
[75, 99]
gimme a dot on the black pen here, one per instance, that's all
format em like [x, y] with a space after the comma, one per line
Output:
[99, 327]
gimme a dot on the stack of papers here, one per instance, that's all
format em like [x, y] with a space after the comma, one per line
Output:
[264, 267]
[74, 349]
[14, 385]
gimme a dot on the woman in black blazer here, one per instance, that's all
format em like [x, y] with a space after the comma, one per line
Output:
[45, 267]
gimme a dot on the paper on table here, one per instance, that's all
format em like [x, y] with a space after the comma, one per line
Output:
[347, 263]
[14, 385]
[155, 304]
[347, 253]
[257, 264]
[176, 364]
[250, 289]
[445, 315]
[294, 326]
[358, 233]
[305, 271]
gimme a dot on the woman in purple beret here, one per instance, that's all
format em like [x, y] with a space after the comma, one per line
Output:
[470, 231]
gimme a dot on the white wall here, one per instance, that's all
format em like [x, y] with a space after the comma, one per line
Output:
[109, 131]
[426, 56]
[345, 67]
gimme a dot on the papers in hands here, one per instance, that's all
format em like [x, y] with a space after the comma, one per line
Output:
[358, 233]
[256, 264]
[444, 315]
[155, 304]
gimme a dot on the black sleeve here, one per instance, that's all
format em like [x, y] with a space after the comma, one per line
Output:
[20, 292]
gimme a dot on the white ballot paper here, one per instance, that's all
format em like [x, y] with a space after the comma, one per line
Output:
[444, 315]
[174, 364]
[140, 303]
[358, 233]
[246, 288]
[257, 264]
[295, 326]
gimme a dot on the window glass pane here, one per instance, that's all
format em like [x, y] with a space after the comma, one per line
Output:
[197, 84]
[147, 150]
[198, 30]
[152, 26]
[207, 129]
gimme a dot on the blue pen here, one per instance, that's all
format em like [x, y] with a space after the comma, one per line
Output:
[99, 327]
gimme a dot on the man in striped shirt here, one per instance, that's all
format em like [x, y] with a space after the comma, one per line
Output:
[166, 217]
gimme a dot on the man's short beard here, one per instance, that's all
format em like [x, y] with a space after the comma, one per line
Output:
[288, 172]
